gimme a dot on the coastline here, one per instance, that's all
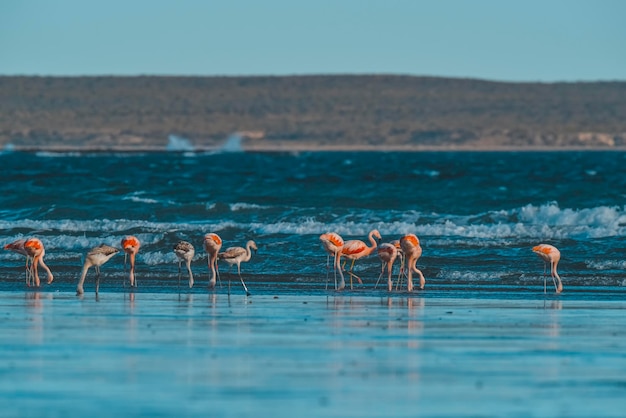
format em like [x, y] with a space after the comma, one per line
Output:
[269, 148]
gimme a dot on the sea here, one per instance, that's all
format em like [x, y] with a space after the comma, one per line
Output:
[482, 339]
[477, 214]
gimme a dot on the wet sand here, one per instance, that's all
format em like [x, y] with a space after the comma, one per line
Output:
[329, 354]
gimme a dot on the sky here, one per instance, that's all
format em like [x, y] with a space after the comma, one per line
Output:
[503, 40]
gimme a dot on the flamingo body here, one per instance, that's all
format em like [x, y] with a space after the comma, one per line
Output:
[212, 245]
[35, 249]
[357, 249]
[387, 253]
[18, 247]
[550, 254]
[333, 244]
[412, 250]
[238, 255]
[96, 257]
[130, 246]
[184, 252]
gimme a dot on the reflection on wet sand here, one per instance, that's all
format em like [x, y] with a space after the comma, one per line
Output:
[35, 302]
[554, 313]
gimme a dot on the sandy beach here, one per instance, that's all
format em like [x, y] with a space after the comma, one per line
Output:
[432, 354]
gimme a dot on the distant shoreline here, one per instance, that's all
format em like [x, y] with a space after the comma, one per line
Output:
[310, 148]
[308, 113]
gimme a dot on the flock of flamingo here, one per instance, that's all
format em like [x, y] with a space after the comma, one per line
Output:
[407, 249]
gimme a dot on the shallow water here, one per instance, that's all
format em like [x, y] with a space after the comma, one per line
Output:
[437, 354]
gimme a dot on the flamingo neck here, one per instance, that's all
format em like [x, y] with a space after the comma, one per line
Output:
[373, 242]
[248, 253]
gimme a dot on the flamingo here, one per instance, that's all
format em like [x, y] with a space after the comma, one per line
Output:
[238, 255]
[185, 252]
[35, 249]
[212, 245]
[401, 273]
[333, 244]
[411, 247]
[387, 252]
[130, 246]
[18, 247]
[549, 254]
[356, 249]
[96, 257]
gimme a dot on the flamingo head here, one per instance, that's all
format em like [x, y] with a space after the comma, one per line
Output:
[252, 246]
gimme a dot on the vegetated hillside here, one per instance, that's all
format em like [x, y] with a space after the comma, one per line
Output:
[300, 111]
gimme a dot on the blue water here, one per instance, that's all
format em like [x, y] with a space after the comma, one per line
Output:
[477, 214]
[482, 339]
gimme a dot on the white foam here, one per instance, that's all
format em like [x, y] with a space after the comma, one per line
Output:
[177, 143]
[528, 222]
[140, 199]
[245, 206]
[51, 154]
[606, 264]
[232, 144]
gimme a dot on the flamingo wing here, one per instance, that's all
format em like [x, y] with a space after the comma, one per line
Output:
[232, 253]
[353, 248]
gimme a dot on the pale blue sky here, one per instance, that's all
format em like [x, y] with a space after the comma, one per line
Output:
[529, 40]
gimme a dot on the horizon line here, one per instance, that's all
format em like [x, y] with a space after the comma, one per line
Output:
[304, 75]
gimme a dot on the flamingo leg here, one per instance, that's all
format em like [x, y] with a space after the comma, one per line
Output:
[389, 277]
[125, 258]
[133, 280]
[211, 265]
[217, 270]
[190, 273]
[382, 271]
[350, 273]
[401, 274]
[179, 272]
[29, 272]
[97, 279]
[354, 275]
[328, 269]
[241, 278]
[36, 271]
[337, 267]
[552, 273]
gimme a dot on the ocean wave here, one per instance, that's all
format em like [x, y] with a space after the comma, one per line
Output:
[246, 206]
[54, 154]
[527, 222]
[138, 199]
[604, 265]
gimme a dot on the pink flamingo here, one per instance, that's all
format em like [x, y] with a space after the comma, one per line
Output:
[410, 245]
[238, 255]
[401, 273]
[130, 246]
[212, 245]
[35, 249]
[18, 247]
[549, 254]
[96, 257]
[184, 252]
[356, 249]
[333, 244]
[387, 253]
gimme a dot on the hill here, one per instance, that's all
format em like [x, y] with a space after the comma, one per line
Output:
[309, 112]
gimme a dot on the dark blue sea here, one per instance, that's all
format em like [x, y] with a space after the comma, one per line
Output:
[481, 340]
[477, 214]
